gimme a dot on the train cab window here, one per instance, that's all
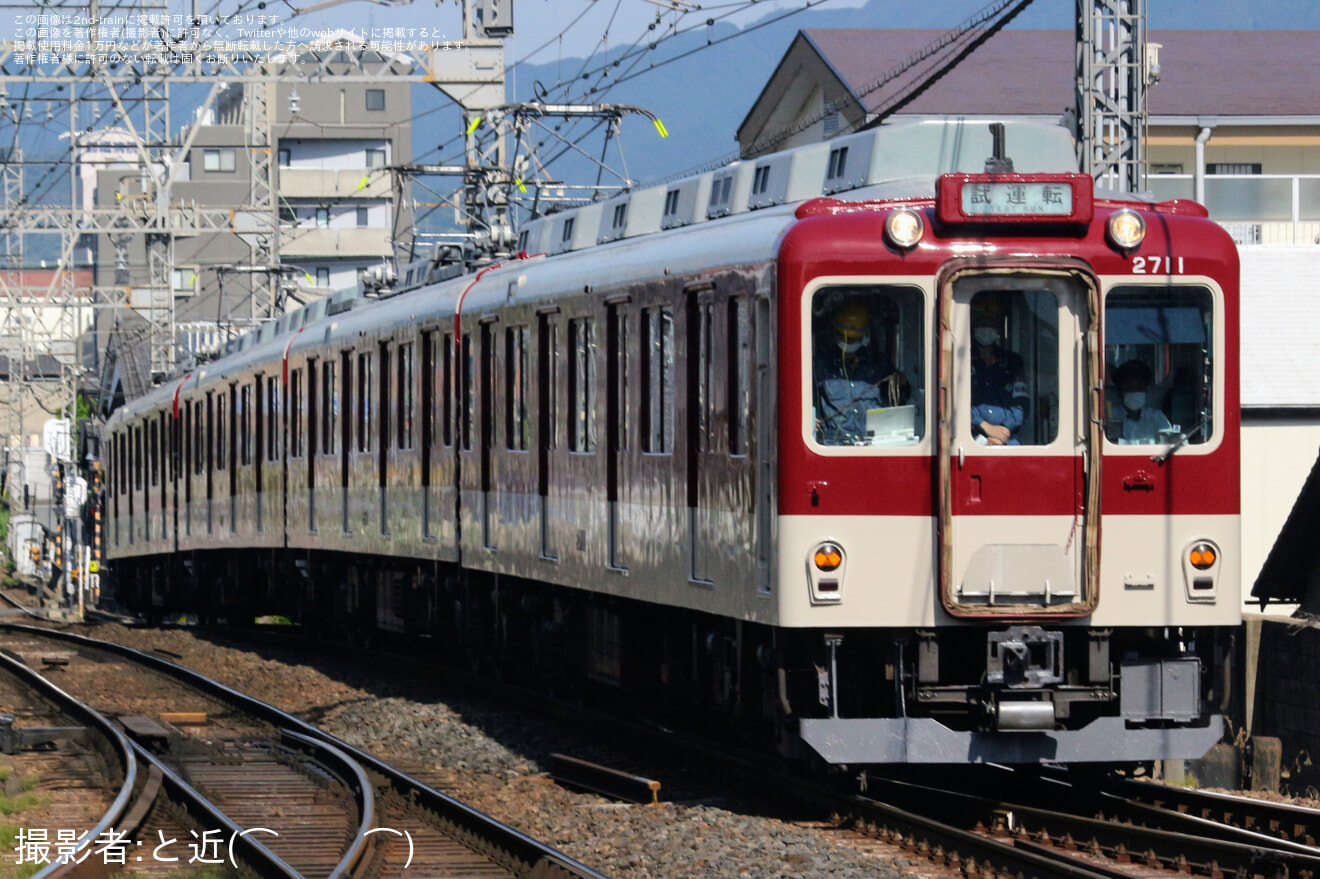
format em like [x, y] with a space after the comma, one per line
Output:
[517, 428]
[362, 427]
[657, 397]
[1159, 365]
[582, 385]
[1014, 355]
[404, 418]
[868, 373]
[329, 408]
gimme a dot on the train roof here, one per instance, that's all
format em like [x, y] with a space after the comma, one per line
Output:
[644, 232]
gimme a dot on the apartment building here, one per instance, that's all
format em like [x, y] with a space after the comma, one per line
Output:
[335, 207]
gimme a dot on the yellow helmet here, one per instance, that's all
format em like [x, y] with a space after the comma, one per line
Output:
[852, 322]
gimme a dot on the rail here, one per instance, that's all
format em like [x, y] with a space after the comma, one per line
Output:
[79, 711]
[540, 859]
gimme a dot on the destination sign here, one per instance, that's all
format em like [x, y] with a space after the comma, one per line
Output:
[984, 198]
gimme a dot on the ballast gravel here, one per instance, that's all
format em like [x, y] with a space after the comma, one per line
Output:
[496, 763]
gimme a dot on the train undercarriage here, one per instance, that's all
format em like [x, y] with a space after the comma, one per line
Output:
[994, 693]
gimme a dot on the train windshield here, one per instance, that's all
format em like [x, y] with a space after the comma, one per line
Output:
[1159, 367]
[868, 378]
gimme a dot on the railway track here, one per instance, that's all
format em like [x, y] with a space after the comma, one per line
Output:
[978, 830]
[317, 806]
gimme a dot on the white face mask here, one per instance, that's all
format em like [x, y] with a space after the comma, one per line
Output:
[985, 336]
[1134, 400]
[852, 347]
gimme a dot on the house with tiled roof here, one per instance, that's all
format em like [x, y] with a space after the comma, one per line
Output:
[1234, 122]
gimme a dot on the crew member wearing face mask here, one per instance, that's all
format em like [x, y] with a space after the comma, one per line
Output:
[1141, 422]
[852, 376]
[1000, 400]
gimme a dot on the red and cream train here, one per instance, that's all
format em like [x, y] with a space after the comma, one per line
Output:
[607, 464]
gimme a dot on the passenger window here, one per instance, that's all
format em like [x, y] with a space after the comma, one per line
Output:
[272, 419]
[405, 396]
[515, 389]
[363, 425]
[657, 403]
[222, 415]
[1159, 365]
[295, 413]
[582, 385]
[868, 373]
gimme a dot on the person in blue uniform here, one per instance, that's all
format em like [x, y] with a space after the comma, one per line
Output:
[1000, 401]
[851, 377]
[1141, 424]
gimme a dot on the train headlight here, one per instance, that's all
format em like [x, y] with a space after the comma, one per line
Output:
[1126, 228]
[1201, 566]
[904, 228]
[825, 566]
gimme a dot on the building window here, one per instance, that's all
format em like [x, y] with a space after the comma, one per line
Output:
[363, 217]
[376, 158]
[323, 218]
[285, 157]
[323, 277]
[1166, 168]
[288, 215]
[830, 123]
[375, 99]
[1232, 168]
[218, 159]
[183, 281]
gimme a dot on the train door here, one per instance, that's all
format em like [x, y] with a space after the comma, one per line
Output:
[1020, 400]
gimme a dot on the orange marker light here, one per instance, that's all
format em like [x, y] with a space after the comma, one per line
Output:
[1202, 556]
[828, 557]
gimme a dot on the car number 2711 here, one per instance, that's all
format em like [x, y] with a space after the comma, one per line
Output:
[1157, 265]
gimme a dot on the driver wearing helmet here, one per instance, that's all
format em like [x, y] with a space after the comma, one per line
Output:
[852, 376]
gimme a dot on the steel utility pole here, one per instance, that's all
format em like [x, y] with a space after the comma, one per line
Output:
[1113, 75]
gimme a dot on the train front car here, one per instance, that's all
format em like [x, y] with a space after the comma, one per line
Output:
[1008, 485]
